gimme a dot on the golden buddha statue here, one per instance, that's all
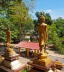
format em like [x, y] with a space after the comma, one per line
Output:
[43, 60]
[42, 30]
[43, 37]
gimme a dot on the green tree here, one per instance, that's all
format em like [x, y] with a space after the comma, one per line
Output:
[54, 38]
[18, 14]
[60, 26]
[48, 19]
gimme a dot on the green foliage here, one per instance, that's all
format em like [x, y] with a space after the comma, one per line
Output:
[20, 15]
[60, 26]
[28, 25]
[4, 23]
[15, 15]
[54, 39]
[38, 14]
[36, 25]
[25, 70]
[48, 19]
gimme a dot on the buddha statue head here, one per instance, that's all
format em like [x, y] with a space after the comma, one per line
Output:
[41, 19]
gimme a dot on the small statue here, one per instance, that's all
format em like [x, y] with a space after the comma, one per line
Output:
[8, 34]
[9, 50]
[42, 30]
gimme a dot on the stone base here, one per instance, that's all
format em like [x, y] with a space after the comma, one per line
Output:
[44, 62]
[40, 67]
[14, 65]
[36, 70]
[11, 57]
[5, 69]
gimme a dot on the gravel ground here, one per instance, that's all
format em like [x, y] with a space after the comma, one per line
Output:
[56, 56]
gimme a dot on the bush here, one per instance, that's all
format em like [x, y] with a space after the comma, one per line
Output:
[55, 39]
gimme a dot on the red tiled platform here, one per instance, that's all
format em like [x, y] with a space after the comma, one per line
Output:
[30, 45]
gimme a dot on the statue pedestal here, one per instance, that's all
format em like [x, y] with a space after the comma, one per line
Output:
[11, 63]
[43, 63]
[39, 68]
[5, 69]
[43, 60]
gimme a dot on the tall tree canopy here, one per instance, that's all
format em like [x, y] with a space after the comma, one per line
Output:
[18, 15]
[60, 26]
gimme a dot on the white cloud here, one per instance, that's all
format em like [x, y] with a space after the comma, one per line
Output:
[55, 13]
[48, 11]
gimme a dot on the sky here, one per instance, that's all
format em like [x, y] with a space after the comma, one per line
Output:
[54, 7]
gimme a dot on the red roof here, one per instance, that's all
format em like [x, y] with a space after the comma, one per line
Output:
[30, 45]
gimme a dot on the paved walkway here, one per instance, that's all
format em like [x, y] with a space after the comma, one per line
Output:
[53, 53]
